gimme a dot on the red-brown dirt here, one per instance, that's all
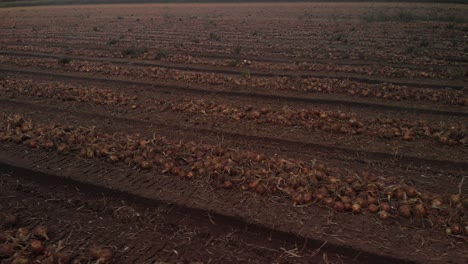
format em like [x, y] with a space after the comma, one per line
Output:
[258, 133]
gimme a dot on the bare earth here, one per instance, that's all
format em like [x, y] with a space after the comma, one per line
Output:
[234, 133]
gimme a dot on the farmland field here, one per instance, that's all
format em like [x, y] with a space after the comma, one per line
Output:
[234, 133]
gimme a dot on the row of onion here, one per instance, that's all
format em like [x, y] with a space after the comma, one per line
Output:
[309, 84]
[22, 245]
[303, 182]
[330, 121]
[64, 92]
[317, 119]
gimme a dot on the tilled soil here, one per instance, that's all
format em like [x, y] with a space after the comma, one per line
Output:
[376, 110]
[80, 217]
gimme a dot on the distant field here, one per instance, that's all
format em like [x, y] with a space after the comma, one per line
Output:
[12, 3]
[234, 133]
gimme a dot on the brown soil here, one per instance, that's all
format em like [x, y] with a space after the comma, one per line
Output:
[150, 216]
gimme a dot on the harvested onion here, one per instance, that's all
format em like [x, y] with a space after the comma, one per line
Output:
[22, 233]
[6, 250]
[383, 215]
[41, 231]
[404, 211]
[102, 255]
[37, 247]
[21, 260]
[419, 210]
[356, 208]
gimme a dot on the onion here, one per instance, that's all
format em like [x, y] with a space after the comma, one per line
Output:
[454, 198]
[32, 143]
[385, 206]
[372, 200]
[412, 192]
[420, 210]
[342, 116]
[6, 250]
[260, 189]
[319, 196]
[41, 231]
[373, 208]
[347, 206]
[297, 198]
[443, 140]
[254, 184]
[3, 237]
[227, 184]
[264, 110]
[399, 194]
[145, 165]
[345, 199]
[448, 231]
[328, 201]
[339, 206]
[456, 229]
[50, 250]
[22, 233]
[426, 197]
[106, 255]
[436, 203]
[189, 175]
[383, 215]
[349, 180]
[356, 208]
[37, 247]
[372, 177]
[362, 202]
[21, 260]
[63, 258]
[348, 191]
[404, 211]
[94, 252]
[181, 173]
[307, 197]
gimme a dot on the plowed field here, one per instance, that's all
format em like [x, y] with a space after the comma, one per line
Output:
[234, 133]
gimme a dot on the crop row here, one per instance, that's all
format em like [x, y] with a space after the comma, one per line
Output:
[378, 49]
[310, 119]
[330, 121]
[386, 91]
[21, 245]
[304, 182]
[164, 55]
[64, 92]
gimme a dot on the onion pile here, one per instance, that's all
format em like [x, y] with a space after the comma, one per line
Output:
[303, 182]
[21, 245]
[322, 85]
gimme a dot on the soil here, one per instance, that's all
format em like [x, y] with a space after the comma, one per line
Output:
[201, 90]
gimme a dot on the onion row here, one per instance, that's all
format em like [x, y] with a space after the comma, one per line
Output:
[304, 182]
[21, 245]
[321, 85]
[318, 119]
